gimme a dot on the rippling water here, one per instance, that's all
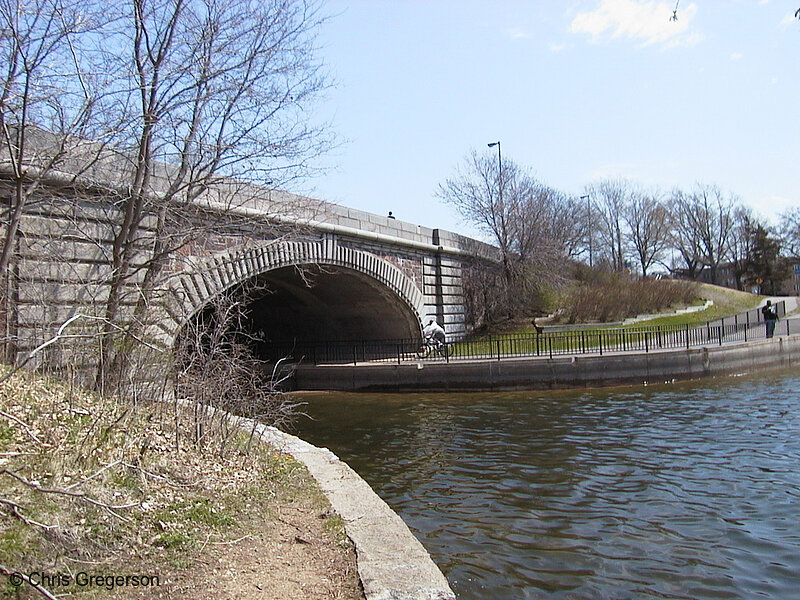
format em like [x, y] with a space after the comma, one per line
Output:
[688, 491]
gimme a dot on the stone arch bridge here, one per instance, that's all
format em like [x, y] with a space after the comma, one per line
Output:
[322, 272]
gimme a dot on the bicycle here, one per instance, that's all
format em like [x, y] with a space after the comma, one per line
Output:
[433, 347]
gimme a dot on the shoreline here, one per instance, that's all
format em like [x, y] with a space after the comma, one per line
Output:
[563, 372]
[392, 562]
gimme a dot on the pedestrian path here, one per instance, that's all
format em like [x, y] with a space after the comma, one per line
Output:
[791, 302]
[680, 311]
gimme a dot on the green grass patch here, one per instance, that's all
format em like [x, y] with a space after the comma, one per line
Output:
[174, 540]
[726, 303]
[198, 510]
[667, 331]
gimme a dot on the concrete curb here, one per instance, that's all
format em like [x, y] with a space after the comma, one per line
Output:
[392, 563]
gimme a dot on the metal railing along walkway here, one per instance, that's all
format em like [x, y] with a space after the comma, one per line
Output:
[742, 327]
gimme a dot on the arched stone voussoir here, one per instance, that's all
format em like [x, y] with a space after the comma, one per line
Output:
[207, 279]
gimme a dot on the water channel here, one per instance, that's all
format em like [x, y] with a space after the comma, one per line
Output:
[678, 491]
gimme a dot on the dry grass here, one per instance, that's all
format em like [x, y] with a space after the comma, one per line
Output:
[611, 297]
[727, 302]
[89, 483]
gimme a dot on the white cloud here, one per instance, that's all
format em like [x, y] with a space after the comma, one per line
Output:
[515, 33]
[737, 56]
[789, 19]
[556, 47]
[650, 22]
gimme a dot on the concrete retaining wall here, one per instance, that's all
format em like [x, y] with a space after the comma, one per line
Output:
[392, 563]
[561, 372]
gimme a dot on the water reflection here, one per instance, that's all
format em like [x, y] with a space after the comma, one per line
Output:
[687, 491]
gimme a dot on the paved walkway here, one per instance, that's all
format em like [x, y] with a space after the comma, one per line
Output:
[791, 302]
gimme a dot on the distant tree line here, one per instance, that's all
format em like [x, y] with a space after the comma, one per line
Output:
[617, 225]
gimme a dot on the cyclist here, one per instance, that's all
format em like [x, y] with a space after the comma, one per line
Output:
[434, 332]
[434, 342]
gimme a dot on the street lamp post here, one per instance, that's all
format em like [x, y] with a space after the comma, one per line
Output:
[499, 169]
[502, 210]
[589, 224]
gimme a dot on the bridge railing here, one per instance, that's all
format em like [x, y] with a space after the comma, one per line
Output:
[743, 327]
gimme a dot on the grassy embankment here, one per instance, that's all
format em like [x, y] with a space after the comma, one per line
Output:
[725, 302]
[92, 484]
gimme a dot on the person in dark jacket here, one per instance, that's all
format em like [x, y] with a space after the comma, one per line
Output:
[770, 314]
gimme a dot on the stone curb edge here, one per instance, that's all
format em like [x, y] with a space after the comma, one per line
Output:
[392, 563]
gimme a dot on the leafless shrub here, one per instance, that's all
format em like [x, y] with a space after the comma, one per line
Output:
[485, 295]
[217, 368]
[604, 297]
[90, 480]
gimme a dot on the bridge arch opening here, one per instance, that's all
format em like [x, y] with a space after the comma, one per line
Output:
[292, 295]
[326, 303]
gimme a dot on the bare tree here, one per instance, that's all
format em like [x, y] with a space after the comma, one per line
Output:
[712, 217]
[790, 231]
[609, 198]
[547, 225]
[648, 226]
[684, 235]
[703, 222]
[570, 225]
[740, 243]
[485, 294]
[532, 224]
[487, 195]
[160, 107]
[51, 93]
[217, 95]
[548, 232]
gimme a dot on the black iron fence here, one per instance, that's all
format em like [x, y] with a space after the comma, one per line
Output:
[750, 317]
[742, 327]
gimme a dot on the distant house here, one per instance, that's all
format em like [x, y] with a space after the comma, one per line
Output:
[726, 277]
[791, 287]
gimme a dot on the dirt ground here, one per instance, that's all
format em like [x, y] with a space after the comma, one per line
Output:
[90, 486]
[292, 557]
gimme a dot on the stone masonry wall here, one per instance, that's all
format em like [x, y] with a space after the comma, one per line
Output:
[62, 257]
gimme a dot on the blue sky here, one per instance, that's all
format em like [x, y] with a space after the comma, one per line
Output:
[574, 90]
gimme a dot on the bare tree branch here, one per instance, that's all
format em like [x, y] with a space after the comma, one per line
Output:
[25, 427]
[80, 495]
[42, 591]
[16, 510]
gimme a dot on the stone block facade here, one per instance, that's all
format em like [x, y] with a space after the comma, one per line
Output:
[61, 262]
